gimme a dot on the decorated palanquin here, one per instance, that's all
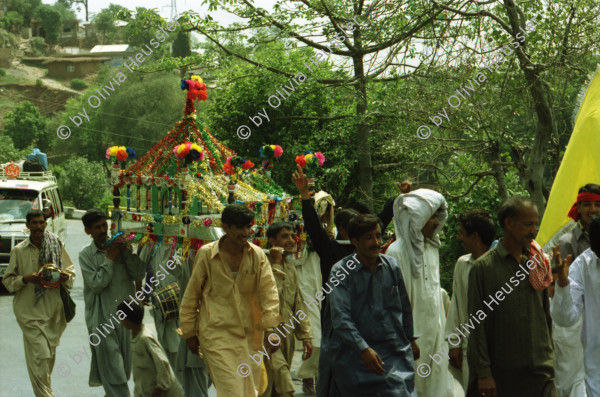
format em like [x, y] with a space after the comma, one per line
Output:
[183, 183]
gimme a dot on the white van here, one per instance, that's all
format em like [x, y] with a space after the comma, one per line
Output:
[29, 190]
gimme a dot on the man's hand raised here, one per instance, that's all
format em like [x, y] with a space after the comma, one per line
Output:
[301, 182]
[563, 266]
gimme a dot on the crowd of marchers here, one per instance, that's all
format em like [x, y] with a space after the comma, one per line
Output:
[366, 314]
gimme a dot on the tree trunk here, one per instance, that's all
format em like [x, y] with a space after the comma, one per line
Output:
[365, 167]
[533, 174]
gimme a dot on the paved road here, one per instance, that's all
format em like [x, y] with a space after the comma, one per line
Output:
[71, 370]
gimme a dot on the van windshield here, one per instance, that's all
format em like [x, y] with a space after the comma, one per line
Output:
[15, 203]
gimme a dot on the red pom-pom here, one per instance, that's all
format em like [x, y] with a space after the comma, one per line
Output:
[228, 168]
[300, 160]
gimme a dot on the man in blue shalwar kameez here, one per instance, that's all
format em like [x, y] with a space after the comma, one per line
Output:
[367, 347]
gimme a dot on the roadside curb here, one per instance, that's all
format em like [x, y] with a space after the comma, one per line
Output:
[73, 213]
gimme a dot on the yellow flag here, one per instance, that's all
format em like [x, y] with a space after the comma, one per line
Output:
[580, 164]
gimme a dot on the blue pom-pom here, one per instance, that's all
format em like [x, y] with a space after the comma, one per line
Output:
[184, 85]
[308, 152]
[195, 154]
[130, 153]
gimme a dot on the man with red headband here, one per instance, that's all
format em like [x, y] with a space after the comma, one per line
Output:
[587, 205]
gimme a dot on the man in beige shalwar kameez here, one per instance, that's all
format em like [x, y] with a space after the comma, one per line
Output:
[230, 300]
[293, 310]
[41, 318]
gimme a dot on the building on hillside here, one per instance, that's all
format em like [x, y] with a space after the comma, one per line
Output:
[118, 53]
[73, 67]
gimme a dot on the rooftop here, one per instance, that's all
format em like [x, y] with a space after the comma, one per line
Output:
[111, 48]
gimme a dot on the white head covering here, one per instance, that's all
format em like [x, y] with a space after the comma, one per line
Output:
[411, 212]
[322, 199]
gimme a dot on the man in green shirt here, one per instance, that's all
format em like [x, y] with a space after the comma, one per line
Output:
[510, 351]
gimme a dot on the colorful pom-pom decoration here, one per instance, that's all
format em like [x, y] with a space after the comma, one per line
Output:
[196, 89]
[120, 153]
[311, 161]
[270, 151]
[189, 152]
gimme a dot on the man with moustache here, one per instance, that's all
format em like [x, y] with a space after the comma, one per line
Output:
[510, 351]
[476, 233]
[230, 307]
[419, 216]
[39, 311]
[369, 349]
[576, 241]
[108, 274]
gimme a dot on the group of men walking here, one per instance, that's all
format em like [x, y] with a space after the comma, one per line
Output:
[370, 324]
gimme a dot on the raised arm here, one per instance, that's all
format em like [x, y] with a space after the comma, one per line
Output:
[568, 302]
[135, 267]
[312, 223]
[96, 277]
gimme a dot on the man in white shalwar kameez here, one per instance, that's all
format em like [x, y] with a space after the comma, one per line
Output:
[418, 218]
[309, 278]
[41, 317]
[568, 351]
[476, 233]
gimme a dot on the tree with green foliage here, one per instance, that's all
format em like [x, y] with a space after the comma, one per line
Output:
[366, 40]
[8, 151]
[182, 45]
[83, 182]
[51, 22]
[64, 9]
[26, 125]
[143, 27]
[25, 8]
[70, 3]
[11, 22]
[104, 22]
[140, 111]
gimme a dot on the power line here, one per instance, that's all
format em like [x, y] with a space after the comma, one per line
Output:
[110, 114]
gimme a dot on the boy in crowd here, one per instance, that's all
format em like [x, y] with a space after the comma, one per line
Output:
[152, 373]
[292, 309]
